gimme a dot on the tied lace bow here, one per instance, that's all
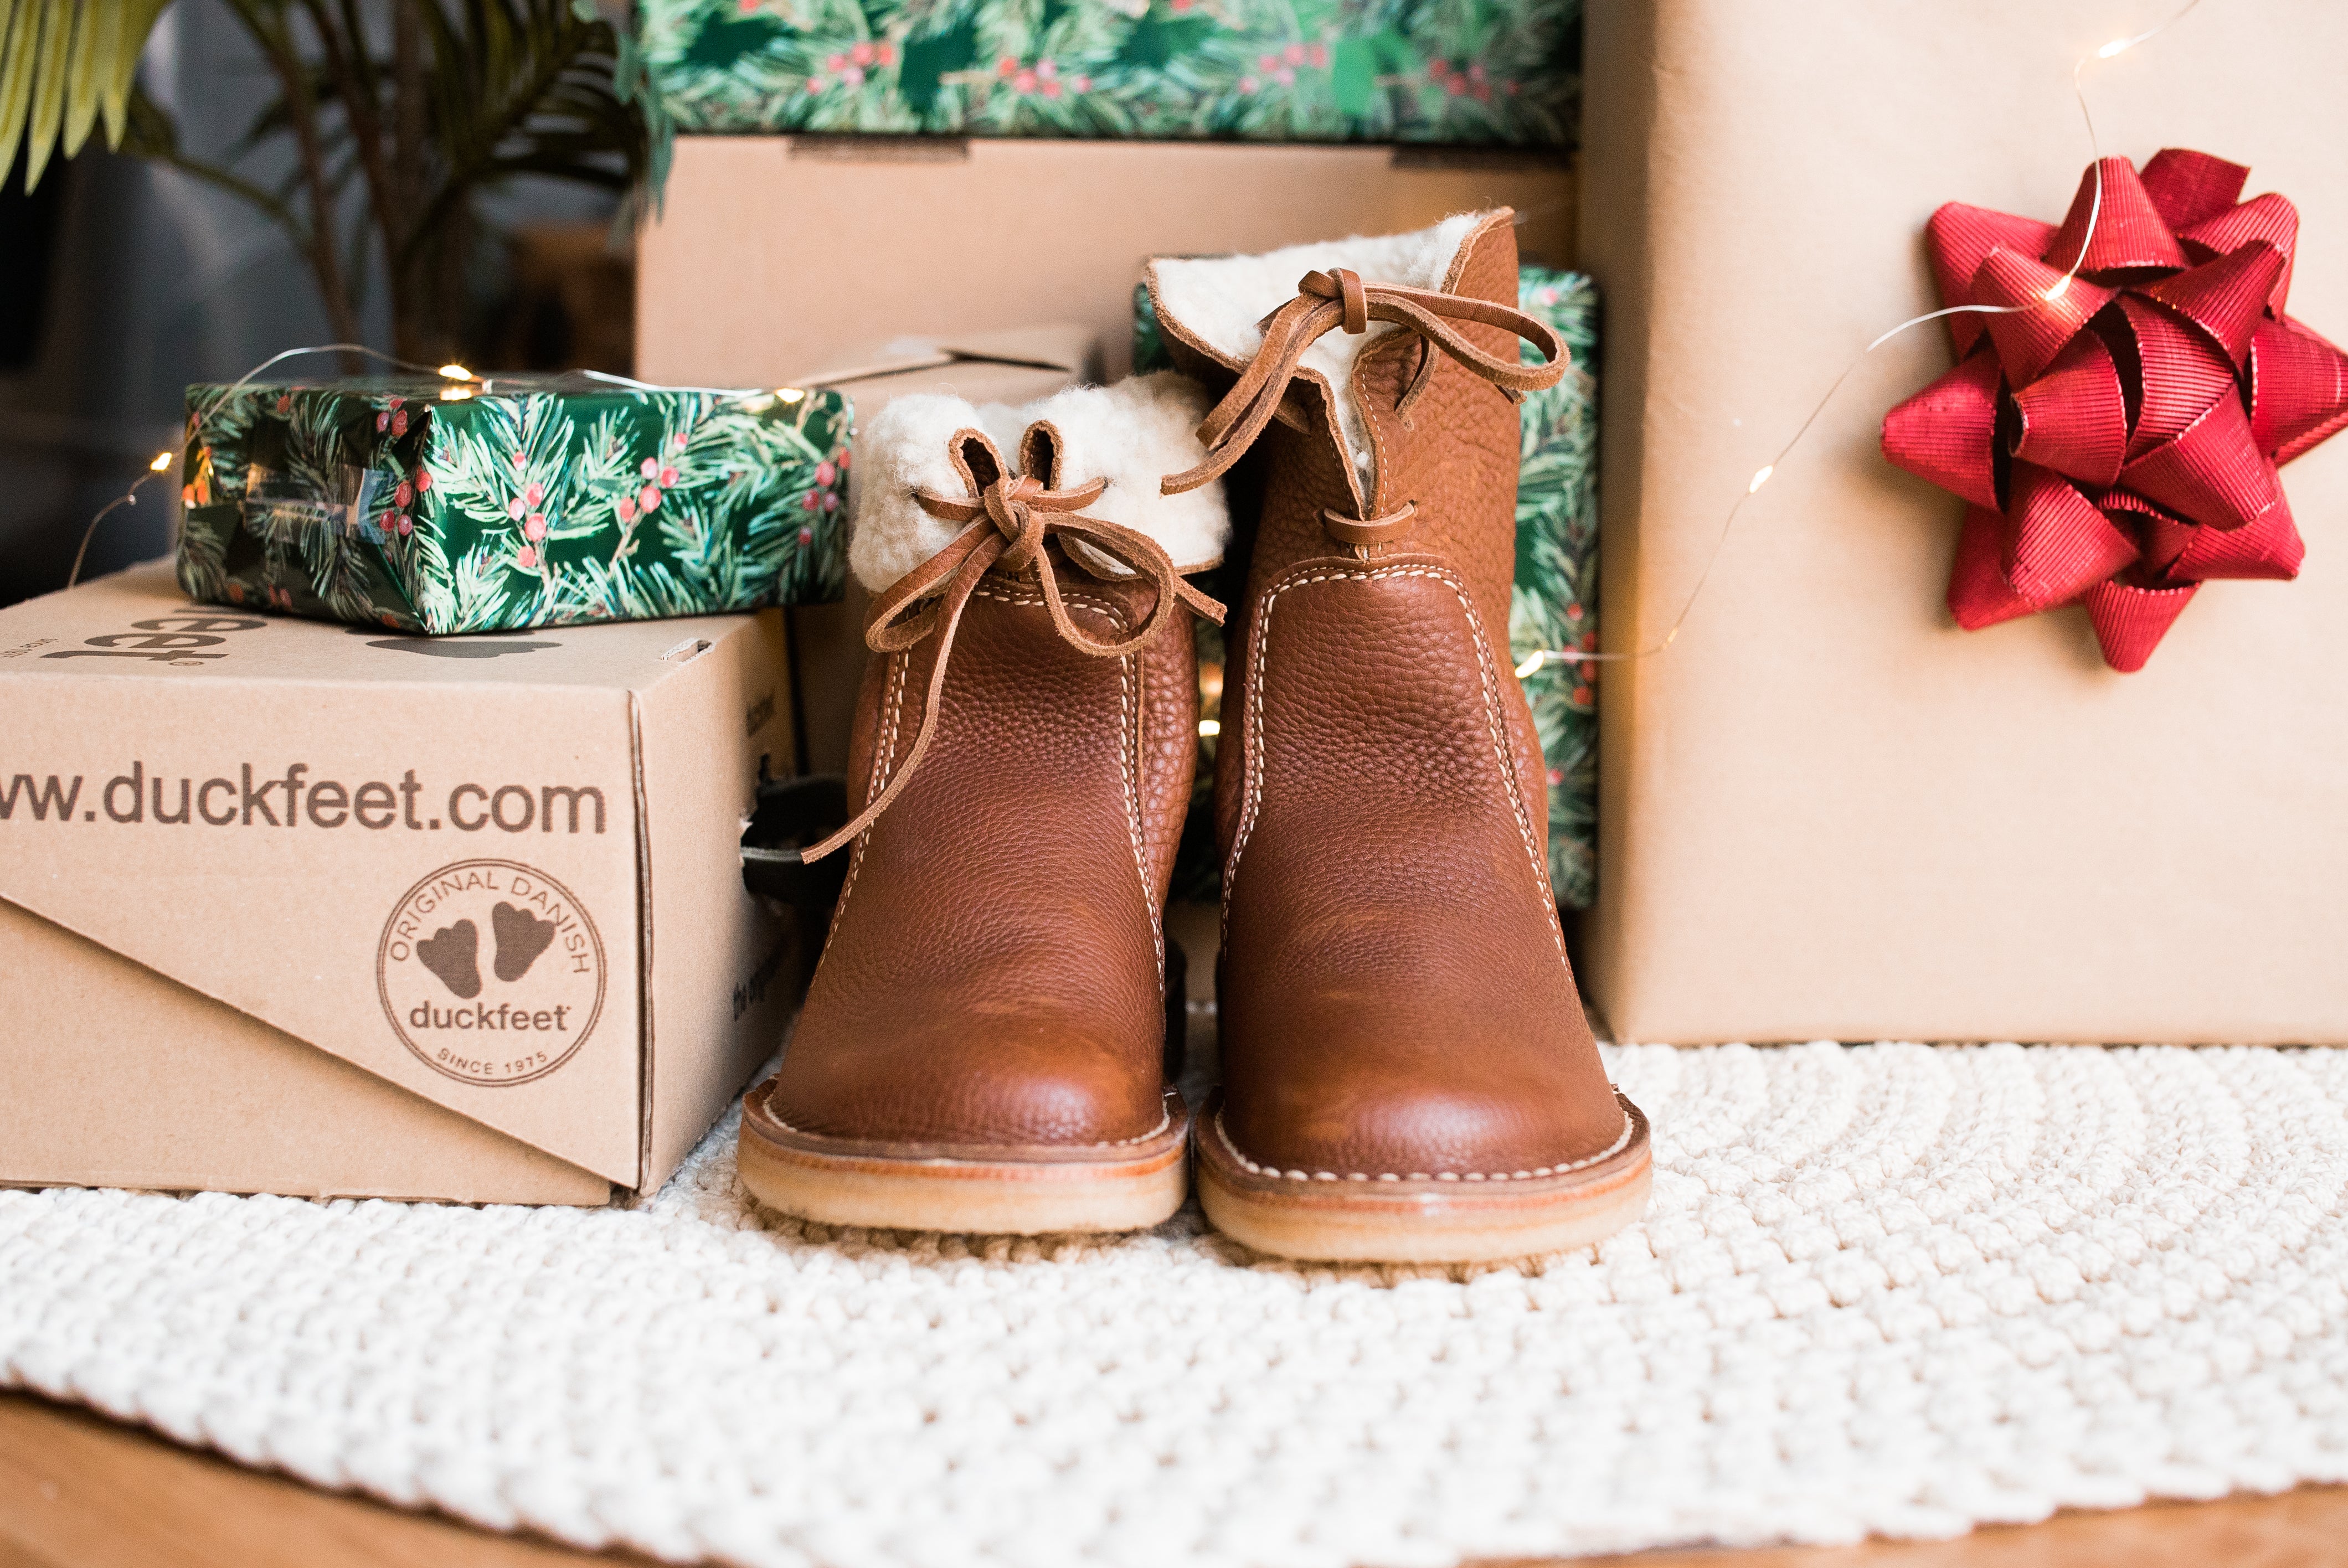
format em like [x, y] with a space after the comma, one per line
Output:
[1338, 298]
[1012, 519]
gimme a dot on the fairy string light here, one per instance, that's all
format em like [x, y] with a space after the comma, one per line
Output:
[462, 384]
[1763, 474]
[460, 379]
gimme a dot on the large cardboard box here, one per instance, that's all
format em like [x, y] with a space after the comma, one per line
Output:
[1825, 811]
[775, 254]
[295, 908]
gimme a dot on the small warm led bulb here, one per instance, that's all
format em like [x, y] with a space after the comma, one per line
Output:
[1210, 727]
[1761, 476]
[1539, 657]
[790, 394]
[455, 372]
[162, 461]
[2055, 289]
[2116, 46]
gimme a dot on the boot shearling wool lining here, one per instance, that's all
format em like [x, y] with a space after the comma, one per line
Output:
[1220, 300]
[1132, 435]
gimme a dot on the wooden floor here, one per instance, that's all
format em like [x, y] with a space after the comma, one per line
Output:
[76, 1491]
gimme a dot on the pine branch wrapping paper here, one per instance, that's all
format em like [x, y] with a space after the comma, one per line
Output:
[1555, 605]
[1471, 71]
[540, 501]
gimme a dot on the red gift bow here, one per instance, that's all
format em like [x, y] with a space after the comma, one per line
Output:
[2118, 437]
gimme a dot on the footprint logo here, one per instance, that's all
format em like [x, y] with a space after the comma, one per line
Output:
[490, 972]
[453, 953]
[521, 938]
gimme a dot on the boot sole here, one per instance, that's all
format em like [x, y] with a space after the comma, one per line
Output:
[975, 1190]
[1330, 1218]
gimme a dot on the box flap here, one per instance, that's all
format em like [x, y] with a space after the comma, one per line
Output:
[118, 1077]
[1061, 347]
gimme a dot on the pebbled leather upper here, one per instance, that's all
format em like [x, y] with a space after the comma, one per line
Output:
[993, 971]
[1394, 993]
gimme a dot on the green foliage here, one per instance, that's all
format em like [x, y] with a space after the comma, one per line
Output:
[543, 502]
[1555, 605]
[1408, 70]
[63, 64]
[420, 105]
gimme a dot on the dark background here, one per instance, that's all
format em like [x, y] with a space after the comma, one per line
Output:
[122, 282]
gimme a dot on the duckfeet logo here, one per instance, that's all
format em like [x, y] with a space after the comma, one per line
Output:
[518, 1016]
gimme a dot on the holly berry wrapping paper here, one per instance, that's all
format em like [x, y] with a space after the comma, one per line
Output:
[518, 502]
[1554, 608]
[1468, 71]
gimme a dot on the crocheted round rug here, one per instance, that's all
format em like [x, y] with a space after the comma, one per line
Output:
[1886, 1288]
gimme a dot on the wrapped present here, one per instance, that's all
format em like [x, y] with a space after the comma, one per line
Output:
[734, 226]
[1910, 765]
[1471, 71]
[439, 507]
[1555, 606]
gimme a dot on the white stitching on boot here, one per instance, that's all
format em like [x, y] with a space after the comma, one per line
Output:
[1260, 631]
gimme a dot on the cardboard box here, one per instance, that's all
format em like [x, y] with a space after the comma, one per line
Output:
[1013, 365]
[1825, 811]
[294, 907]
[739, 282]
[1017, 365]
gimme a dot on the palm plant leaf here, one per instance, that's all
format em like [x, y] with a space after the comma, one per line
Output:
[64, 64]
[452, 97]
[524, 86]
[21, 58]
[46, 111]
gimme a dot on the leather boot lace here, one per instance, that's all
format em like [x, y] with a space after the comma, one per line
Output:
[1018, 528]
[1326, 302]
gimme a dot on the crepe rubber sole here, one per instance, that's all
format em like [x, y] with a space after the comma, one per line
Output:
[1364, 1219]
[981, 1191]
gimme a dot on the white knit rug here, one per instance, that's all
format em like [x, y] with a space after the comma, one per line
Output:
[1890, 1288]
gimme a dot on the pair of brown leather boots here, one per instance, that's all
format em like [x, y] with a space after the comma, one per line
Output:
[990, 1037]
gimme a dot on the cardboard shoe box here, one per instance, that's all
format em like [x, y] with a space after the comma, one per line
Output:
[943, 237]
[295, 908]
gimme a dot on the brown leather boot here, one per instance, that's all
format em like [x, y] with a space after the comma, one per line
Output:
[1406, 1072]
[985, 1046]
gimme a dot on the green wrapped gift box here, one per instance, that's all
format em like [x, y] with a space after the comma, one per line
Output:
[1555, 607]
[438, 507]
[1470, 71]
